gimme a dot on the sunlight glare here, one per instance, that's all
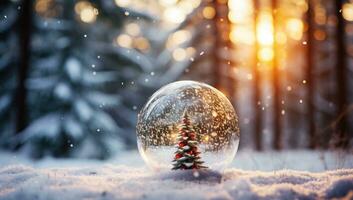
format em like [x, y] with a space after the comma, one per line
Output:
[264, 25]
[195, 3]
[281, 37]
[265, 54]
[242, 34]
[186, 6]
[239, 10]
[174, 15]
[168, 2]
[240, 14]
[302, 4]
[294, 28]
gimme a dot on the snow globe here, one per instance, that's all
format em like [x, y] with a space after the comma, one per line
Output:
[187, 125]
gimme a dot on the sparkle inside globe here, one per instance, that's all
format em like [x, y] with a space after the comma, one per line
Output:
[211, 116]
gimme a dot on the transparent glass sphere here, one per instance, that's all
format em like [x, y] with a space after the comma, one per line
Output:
[211, 115]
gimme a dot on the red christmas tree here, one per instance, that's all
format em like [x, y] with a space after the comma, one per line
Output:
[187, 155]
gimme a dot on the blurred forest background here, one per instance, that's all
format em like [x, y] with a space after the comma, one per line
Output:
[74, 74]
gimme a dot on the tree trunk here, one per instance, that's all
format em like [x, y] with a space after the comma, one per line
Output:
[222, 60]
[340, 131]
[217, 67]
[256, 87]
[309, 78]
[277, 139]
[21, 93]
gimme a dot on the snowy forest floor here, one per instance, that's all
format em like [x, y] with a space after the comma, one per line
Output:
[252, 175]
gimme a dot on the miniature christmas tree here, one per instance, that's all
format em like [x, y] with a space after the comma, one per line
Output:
[187, 155]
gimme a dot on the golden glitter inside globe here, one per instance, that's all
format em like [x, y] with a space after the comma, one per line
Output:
[211, 115]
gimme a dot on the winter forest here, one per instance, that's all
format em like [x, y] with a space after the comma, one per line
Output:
[76, 73]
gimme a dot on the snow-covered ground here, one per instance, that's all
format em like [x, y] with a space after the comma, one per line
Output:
[271, 175]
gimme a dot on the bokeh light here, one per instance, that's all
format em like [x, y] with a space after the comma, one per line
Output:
[208, 12]
[294, 28]
[240, 10]
[133, 29]
[265, 54]
[319, 35]
[167, 2]
[320, 15]
[265, 32]
[179, 54]
[124, 40]
[281, 37]
[178, 38]
[174, 15]
[86, 11]
[122, 3]
[141, 44]
[242, 34]
[347, 11]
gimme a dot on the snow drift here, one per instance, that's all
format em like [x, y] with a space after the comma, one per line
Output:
[122, 182]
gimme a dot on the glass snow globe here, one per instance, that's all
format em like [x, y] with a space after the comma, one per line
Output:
[187, 125]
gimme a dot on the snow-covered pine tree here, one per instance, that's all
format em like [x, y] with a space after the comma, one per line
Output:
[9, 14]
[77, 77]
[187, 155]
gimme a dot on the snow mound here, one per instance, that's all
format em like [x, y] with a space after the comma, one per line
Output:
[122, 182]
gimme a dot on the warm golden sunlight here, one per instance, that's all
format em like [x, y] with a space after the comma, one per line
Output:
[176, 99]
[240, 15]
[294, 28]
[264, 27]
[290, 26]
